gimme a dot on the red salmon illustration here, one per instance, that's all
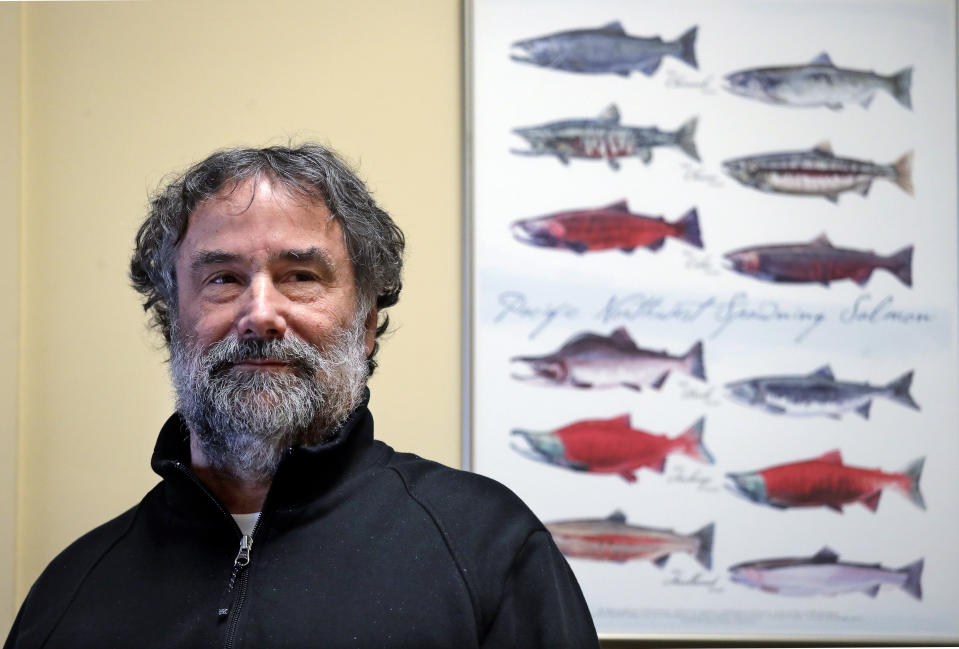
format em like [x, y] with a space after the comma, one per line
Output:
[612, 446]
[826, 481]
[606, 228]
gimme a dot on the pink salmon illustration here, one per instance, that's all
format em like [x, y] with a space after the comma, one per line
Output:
[826, 481]
[590, 360]
[611, 446]
[824, 574]
[606, 228]
[613, 539]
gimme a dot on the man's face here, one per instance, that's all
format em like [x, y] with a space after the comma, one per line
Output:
[262, 264]
[267, 349]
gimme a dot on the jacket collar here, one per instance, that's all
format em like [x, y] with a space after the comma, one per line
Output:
[304, 470]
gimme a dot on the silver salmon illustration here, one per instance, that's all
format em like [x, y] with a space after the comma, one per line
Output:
[603, 138]
[817, 394]
[613, 539]
[817, 172]
[608, 49]
[590, 360]
[818, 261]
[819, 83]
[824, 574]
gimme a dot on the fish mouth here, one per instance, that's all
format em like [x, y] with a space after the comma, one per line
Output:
[547, 372]
[526, 449]
[518, 52]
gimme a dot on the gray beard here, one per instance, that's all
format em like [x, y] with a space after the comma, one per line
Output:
[244, 421]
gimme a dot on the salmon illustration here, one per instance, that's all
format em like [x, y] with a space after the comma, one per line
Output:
[819, 83]
[604, 50]
[825, 481]
[824, 574]
[590, 360]
[613, 539]
[817, 394]
[604, 138]
[818, 261]
[611, 446]
[817, 172]
[606, 228]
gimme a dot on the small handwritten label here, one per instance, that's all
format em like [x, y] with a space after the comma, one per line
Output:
[677, 80]
[695, 173]
[696, 579]
[700, 262]
[698, 393]
[696, 477]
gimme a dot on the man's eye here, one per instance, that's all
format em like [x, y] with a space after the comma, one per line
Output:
[223, 279]
[302, 276]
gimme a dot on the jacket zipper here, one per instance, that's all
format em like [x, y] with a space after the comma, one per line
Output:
[232, 601]
[235, 595]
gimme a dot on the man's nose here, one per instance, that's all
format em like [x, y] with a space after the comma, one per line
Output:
[263, 313]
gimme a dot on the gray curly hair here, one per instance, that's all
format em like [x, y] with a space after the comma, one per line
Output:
[374, 242]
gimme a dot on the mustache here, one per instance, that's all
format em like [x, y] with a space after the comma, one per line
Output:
[301, 356]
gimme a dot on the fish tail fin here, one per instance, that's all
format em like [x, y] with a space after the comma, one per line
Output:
[687, 228]
[913, 573]
[910, 483]
[685, 141]
[691, 443]
[694, 361]
[901, 265]
[899, 391]
[704, 552]
[687, 47]
[903, 173]
[902, 87]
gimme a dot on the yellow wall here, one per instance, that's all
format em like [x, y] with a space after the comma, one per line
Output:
[10, 290]
[117, 94]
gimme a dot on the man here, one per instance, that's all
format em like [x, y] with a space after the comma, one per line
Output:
[279, 521]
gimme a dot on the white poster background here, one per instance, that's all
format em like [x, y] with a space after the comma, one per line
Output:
[529, 301]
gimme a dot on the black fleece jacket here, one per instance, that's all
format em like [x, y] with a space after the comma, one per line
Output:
[357, 546]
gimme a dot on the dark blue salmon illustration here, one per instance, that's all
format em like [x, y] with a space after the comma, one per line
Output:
[818, 393]
[605, 50]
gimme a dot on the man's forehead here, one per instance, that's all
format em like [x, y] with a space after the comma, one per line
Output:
[239, 194]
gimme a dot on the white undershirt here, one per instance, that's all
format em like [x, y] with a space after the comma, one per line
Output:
[246, 522]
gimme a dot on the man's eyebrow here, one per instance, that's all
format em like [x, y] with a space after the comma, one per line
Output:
[203, 258]
[312, 255]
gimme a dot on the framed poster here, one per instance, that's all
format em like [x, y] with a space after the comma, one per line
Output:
[712, 319]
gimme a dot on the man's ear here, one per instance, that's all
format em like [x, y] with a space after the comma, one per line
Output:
[370, 326]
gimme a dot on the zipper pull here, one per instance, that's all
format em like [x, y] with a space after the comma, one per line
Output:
[243, 556]
[242, 561]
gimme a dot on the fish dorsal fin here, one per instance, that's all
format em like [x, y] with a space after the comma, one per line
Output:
[610, 114]
[822, 241]
[617, 517]
[826, 555]
[622, 419]
[622, 336]
[823, 147]
[824, 372]
[619, 206]
[614, 27]
[832, 457]
[822, 59]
